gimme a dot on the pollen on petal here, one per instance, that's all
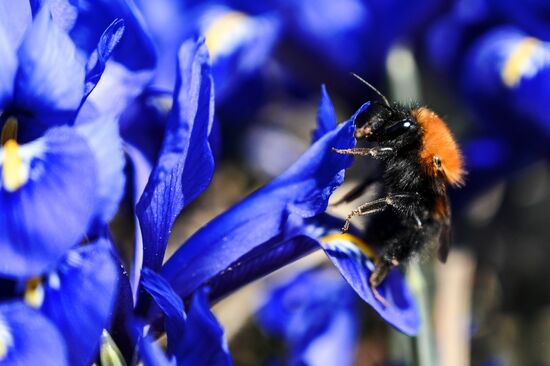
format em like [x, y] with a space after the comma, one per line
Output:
[15, 173]
[34, 292]
[221, 34]
[347, 237]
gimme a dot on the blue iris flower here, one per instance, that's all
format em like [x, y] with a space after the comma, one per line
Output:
[67, 177]
[61, 181]
[317, 315]
[58, 322]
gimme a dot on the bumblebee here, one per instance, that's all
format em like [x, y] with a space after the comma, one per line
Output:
[419, 159]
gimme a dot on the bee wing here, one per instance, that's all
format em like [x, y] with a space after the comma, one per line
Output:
[444, 242]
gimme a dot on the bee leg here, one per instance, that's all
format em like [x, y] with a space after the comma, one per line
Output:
[375, 152]
[398, 201]
[366, 209]
[377, 277]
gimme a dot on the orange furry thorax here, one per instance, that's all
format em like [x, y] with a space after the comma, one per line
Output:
[439, 145]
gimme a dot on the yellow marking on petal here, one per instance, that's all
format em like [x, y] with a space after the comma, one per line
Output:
[517, 62]
[34, 292]
[3, 350]
[14, 171]
[9, 131]
[364, 247]
[219, 33]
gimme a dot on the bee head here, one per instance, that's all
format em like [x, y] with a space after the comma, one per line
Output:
[389, 125]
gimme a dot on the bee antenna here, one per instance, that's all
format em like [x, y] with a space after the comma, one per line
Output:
[371, 87]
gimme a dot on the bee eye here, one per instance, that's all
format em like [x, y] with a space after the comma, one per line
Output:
[398, 128]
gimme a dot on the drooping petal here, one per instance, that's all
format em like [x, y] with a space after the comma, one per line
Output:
[28, 338]
[98, 59]
[203, 342]
[48, 202]
[326, 116]
[8, 69]
[50, 77]
[303, 191]
[170, 304]
[186, 164]
[356, 267]
[79, 298]
[102, 136]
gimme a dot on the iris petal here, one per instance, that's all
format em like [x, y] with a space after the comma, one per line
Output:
[170, 304]
[186, 164]
[52, 210]
[79, 298]
[135, 51]
[8, 69]
[29, 337]
[98, 60]
[356, 268]
[151, 354]
[303, 190]
[103, 138]
[203, 342]
[326, 116]
[15, 17]
[50, 77]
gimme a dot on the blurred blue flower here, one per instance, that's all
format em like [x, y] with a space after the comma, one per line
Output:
[507, 71]
[496, 54]
[316, 314]
[239, 44]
